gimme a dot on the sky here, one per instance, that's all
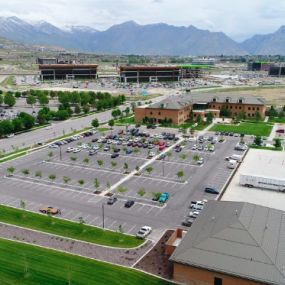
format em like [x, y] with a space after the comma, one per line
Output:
[239, 19]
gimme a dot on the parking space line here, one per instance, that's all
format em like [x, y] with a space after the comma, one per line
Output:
[130, 230]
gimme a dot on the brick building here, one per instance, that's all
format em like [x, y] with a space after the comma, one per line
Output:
[178, 108]
[232, 243]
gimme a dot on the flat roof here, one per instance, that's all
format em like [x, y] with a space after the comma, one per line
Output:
[66, 66]
[261, 163]
[125, 68]
[238, 239]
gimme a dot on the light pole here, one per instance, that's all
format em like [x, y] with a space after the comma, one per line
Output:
[163, 166]
[103, 215]
[60, 153]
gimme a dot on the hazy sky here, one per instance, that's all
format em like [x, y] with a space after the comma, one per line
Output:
[237, 18]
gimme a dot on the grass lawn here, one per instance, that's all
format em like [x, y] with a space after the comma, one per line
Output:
[8, 81]
[66, 228]
[31, 265]
[16, 155]
[125, 121]
[277, 120]
[247, 128]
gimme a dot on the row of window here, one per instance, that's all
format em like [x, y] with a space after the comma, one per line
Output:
[236, 107]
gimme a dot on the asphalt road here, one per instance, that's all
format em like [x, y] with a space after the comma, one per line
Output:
[58, 129]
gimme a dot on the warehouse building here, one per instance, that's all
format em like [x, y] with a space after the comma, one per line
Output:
[46, 60]
[176, 109]
[68, 71]
[232, 243]
[270, 172]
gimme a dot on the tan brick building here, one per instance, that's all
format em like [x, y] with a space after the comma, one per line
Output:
[178, 108]
[231, 243]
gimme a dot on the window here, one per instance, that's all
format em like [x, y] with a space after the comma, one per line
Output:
[240, 107]
[257, 108]
[159, 113]
[231, 107]
[249, 108]
[253, 109]
[151, 113]
[218, 281]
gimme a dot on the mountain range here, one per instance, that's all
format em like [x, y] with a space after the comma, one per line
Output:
[132, 38]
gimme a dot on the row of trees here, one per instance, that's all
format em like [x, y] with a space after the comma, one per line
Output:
[23, 122]
[272, 112]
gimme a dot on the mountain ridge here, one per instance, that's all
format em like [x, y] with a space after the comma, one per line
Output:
[132, 38]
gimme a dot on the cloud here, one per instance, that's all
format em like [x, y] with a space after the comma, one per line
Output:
[238, 19]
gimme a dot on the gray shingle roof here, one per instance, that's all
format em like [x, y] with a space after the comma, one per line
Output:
[238, 239]
[178, 102]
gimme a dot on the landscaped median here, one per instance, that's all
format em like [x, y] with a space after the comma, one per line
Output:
[26, 264]
[66, 228]
[248, 128]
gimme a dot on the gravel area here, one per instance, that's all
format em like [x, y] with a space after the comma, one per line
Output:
[125, 257]
[156, 261]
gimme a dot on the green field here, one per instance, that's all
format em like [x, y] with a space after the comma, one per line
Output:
[66, 228]
[125, 121]
[277, 120]
[31, 265]
[247, 128]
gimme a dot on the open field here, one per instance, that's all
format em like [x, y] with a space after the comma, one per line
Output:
[272, 95]
[30, 265]
[66, 228]
[247, 128]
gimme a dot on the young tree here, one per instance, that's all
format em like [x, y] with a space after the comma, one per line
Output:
[277, 143]
[257, 116]
[66, 179]
[38, 173]
[149, 169]
[31, 100]
[77, 109]
[86, 160]
[180, 174]
[111, 123]
[22, 205]
[258, 141]
[196, 157]
[113, 163]
[43, 99]
[209, 118]
[26, 171]
[95, 123]
[11, 170]
[126, 167]
[1, 99]
[96, 183]
[81, 182]
[52, 177]
[100, 162]
[9, 99]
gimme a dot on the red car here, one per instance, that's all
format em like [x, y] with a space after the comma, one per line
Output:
[280, 131]
[161, 147]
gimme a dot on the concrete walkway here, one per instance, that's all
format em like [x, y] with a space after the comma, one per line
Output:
[126, 257]
[274, 129]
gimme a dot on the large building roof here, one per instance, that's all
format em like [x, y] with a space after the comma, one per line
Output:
[149, 68]
[66, 66]
[238, 239]
[179, 102]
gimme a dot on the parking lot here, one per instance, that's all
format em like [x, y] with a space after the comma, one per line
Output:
[78, 176]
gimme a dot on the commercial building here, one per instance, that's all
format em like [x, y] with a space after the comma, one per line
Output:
[140, 74]
[258, 66]
[42, 60]
[68, 71]
[204, 61]
[271, 165]
[232, 243]
[149, 73]
[277, 70]
[178, 109]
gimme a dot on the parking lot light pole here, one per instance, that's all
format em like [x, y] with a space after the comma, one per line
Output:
[103, 215]
[163, 167]
[60, 153]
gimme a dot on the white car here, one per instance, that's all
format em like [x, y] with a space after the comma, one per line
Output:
[151, 154]
[143, 232]
[194, 214]
[10, 135]
[194, 147]
[198, 206]
[70, 149]
[76, 150]
[53, 146]
[200, 161]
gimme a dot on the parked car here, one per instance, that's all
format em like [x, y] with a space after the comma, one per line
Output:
[129, 203]
[143, 232]
[194, 214]
[211, 190]
[49, 210]
[187, 222]
[92, 152]
[129, 151]
[163, 197]
[112, 200]
[114, 155]
[69, 149]
[198, 205]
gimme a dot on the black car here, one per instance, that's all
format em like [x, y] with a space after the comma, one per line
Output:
[129, 203]
[117, 150]
[187, 222]
[211, 190]
[114, 155]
